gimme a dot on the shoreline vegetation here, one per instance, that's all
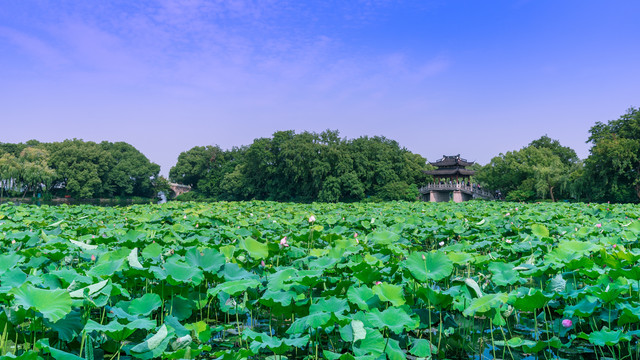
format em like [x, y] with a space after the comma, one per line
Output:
[323, 167]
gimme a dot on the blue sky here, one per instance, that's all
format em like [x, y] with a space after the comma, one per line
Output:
[441, 77]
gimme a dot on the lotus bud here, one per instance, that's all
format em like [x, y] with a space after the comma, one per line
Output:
[283, 242]
[423, 257]
[567, 323]
[13, 241]
[598, 225]
[93, 258]
[312, 218]
[262, 263]
[441, 243]
[378, 282]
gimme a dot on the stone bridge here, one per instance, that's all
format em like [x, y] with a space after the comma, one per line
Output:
[179, 189]
[457, 192]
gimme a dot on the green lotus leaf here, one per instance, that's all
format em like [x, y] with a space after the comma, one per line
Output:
[68, 327]
[372, 344]
[539, 230]
[531, 300]
[607, 337]
[284, 298]
[390, 292]
[152, 342]
[82, 245]
[503, 274]
[91, 290]
[329, 305]
[153, 250]
[207, 259]
[279, 280]
[584, 307]
[12, 279]
[383, 237]
[234, 288]
[395, 319]
[182, 272]
[133, 259]
[256, 249]
[53, 304]
[393, 350]
[422, 348]
[429, 266]
[9, 261]
[485, 303]
[360, 296]
[145, 305]
[106, 268]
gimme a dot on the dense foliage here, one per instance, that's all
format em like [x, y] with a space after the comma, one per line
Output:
[303, 167]
[393, 280]
[82, 169]
[547, 170]
[543, 169]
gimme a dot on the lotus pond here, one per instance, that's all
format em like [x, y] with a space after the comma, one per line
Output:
[256, 280]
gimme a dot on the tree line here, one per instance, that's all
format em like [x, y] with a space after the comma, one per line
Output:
[307, 166]
[545, 169]
[76, 168]
[302, 167]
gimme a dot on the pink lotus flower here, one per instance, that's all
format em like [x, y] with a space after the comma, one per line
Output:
[598, 225]
[93, 258]
[423, 257]
[13, 241]
[185, 217]
[378, 282]
[567, 323]
[312, 218]
[355, 235]
[615, 246]
[262, 263]
[283, 242]
[508, 241]
[196, 225]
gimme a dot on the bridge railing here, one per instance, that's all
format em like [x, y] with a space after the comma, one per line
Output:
[471, 188]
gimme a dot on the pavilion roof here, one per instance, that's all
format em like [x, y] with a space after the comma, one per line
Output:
[452, 160]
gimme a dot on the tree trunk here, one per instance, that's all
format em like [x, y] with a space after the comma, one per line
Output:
[551, 193]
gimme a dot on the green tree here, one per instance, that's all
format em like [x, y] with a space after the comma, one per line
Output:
[9, 172]
[34, 172]
[543, 168]
[131, 172]
[81, 167]
[613, 166]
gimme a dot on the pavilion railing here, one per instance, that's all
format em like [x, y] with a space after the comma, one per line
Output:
[474, 189]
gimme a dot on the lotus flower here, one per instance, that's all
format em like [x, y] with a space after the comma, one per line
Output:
[567, 323]
[423, 257]
[378, 282]
[441, 243]
[13, 241]
[93, 258]
[283, 242]
[508, 241]
[262, 263]
[312, 218]
[598, 225]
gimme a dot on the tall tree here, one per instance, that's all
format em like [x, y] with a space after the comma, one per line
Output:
[613, 166]
[541, 169]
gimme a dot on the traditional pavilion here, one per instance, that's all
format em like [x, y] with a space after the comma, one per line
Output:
[452, 181]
